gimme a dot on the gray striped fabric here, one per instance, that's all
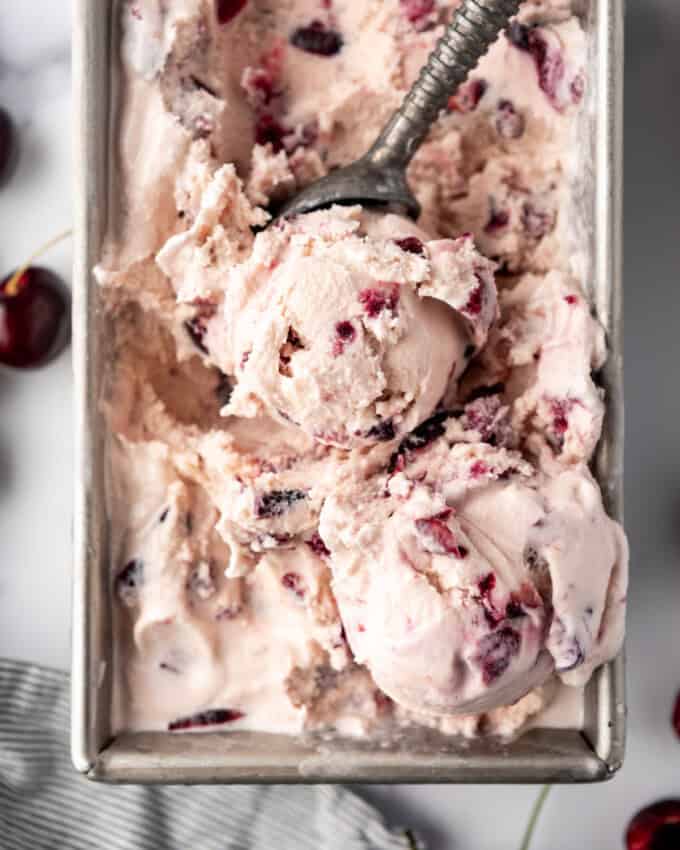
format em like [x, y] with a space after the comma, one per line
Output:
[44, 803]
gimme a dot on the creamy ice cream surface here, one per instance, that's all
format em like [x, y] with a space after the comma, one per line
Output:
[349, 453]
[352, 337]
[462, 577]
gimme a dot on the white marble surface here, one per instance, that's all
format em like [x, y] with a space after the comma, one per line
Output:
[36, 435]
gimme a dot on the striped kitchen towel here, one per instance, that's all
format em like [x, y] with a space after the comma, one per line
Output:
[44, 803]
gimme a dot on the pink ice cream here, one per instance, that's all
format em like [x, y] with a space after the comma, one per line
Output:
[350, 326]
[462, 579]
[348, 454]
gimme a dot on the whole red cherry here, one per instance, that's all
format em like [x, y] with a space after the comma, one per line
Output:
[656, 827]
[34, 318]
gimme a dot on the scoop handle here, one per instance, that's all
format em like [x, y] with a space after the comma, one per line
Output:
[475, 26]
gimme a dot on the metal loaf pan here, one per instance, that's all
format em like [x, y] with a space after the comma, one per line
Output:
[541, 755]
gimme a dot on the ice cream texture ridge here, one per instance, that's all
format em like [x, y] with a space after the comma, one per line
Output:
[349, 455]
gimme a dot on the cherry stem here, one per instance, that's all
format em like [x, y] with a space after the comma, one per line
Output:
[533, 818]
[12, 285]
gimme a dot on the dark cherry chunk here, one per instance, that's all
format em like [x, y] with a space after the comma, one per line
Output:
[383, 431]
[496, 651]
[292, 344]
[132, 574]
[345, 334]
[438, 538]
[518, 35]
[416, 11]
[560, 415]
[549, 63]
[227, 10]
[34, 318]
[317, 39]
[475, 302]
[467, 98]
[270, 131]
[277, 502]
[129, 580]
[498, 220]
[411, 244]
[212, 717]
[676, 715]
[427, 432]
[514, 610]
[196, 330]
[486, 587]
[295, 583]
[223, 389]
[548, 59]
[479, 469]
[374, 301]
[317, 545]
[509, 122]
[345, 330]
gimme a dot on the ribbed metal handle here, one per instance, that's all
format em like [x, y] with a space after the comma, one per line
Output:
[475, 26]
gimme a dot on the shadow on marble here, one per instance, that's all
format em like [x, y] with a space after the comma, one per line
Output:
[401, 812]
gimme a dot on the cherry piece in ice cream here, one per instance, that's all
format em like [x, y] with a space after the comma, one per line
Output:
[294, 583]
[227, 10]
[496, 651]
[416, 10]
[213, 717]
[34, 318]
[468, 96]
[374, 301]
[411, 244]
[317, 545]
[345, 334]
[546, 50]
[509, 122]
[277, 502]
[382, 431]
[318, 39]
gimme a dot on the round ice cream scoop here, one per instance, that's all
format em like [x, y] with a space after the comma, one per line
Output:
[349, 326]
[380, 176]
[464, 589]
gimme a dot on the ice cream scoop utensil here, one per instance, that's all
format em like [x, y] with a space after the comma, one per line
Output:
[379, 177]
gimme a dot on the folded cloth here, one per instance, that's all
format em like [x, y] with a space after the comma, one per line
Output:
[45, 803]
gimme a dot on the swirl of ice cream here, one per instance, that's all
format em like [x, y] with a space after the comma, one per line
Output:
[468, 582]
[350, 325]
